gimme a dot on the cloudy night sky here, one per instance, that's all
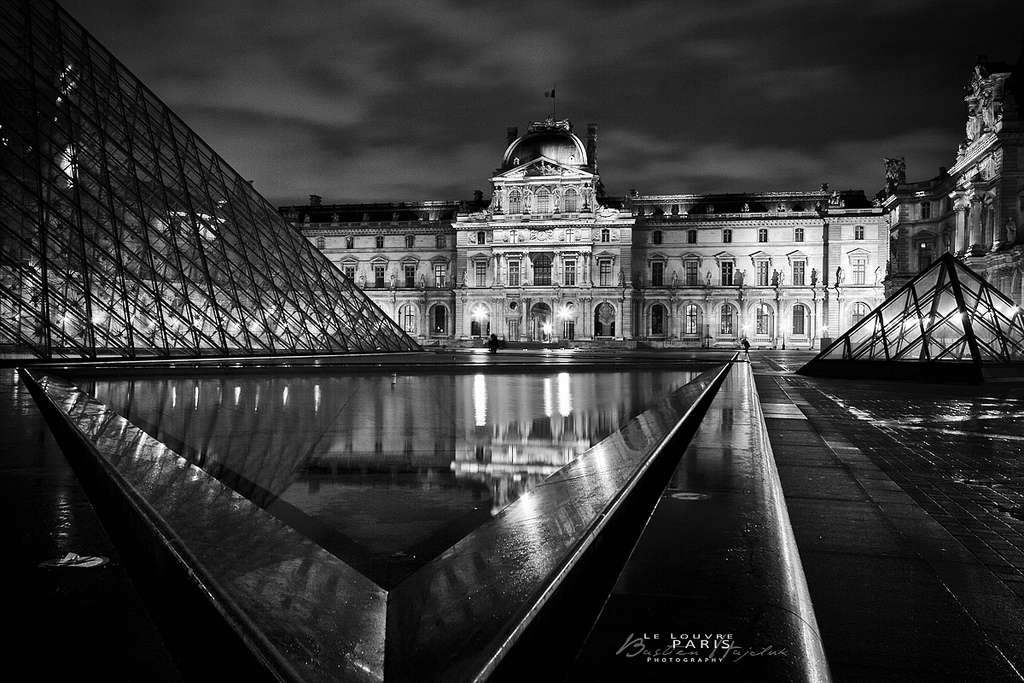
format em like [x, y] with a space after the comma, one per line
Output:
[395, 100]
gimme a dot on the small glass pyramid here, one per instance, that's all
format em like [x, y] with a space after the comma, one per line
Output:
[945, 324]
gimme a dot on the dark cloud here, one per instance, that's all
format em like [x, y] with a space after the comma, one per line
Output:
[409, 99]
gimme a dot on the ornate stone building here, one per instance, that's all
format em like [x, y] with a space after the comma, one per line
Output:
[550, 258]
[974, 209]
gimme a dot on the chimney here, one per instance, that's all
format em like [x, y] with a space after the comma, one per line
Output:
[592, 145]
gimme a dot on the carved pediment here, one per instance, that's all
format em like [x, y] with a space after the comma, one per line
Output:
[543, 166]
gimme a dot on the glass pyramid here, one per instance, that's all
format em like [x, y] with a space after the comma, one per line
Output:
[122, 234]
[945, 316]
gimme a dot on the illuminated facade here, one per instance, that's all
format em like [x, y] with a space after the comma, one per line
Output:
[549, 258]
[123, 235]
[975, 209]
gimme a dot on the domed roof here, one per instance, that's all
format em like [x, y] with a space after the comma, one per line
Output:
[552, 139]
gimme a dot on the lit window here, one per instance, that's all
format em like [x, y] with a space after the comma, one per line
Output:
[727, 317]
[407, 319]
[543, 201]
[515, 202]
[440, 274]
[763, 320]
[859, 270]
[691, 319]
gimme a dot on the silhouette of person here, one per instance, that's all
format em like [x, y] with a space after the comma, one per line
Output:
[492, 343]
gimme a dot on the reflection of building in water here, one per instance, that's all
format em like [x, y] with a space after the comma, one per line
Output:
[517, 430]
[482, 434]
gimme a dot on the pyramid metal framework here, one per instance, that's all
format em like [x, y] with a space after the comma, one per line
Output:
[946, 316]
[122, 234]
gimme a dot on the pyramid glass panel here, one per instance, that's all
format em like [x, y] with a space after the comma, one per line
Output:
[122, 234]
[945, 317]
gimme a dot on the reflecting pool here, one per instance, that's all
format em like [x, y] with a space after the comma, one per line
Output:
[386, 471]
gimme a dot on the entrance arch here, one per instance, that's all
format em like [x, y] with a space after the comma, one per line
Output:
[604, 320]
[479, 321]
[540, 322]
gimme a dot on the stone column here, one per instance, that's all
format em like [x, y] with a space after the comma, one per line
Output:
[976, 239]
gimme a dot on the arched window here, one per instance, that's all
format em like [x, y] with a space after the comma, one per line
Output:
[860, 309]
[727, 321]
[656, 237]
[439, 320]
[657, 320]
[321, 242]
[799, 319]
[515, 202]
[407, 318]
[764, 322]
[410, 241]
[543, 201]
[691, 319]
[571, 201]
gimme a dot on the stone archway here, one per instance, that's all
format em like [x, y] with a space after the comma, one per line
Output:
[540, 322]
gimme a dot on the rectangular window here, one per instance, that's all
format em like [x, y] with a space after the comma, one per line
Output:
[604, 273]
[657, 274]
[727, 268]
[350, 272]
[513, 273]
[570, 273]
[692, 274]
[378, 276]
[860, 266]
[762, 235]
[440, 274]
[926, 210]
[440, 242]
[762, 273]
[798, 273]
[726, 326]
[691, 237]
[542, 271]
[727, 235]
[481, 273]
[798, 235]
[410, 276]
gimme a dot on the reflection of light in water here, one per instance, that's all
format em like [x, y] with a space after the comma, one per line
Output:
[564, 395]
[238, 394]
[284, 397]
[174, 397]
[195, 397]
[480, 400]
[548, 409]
[256, 406]
[316, 399]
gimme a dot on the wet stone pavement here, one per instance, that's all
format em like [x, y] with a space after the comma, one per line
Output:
[907, 502]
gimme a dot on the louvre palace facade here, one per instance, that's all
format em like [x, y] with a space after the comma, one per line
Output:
[549, 258]
[973, 209]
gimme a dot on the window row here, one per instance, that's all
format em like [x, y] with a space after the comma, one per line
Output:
[658, 236]
[440, 242]
[725, 323]
[544, 201]
[729, 276]
[408, 276]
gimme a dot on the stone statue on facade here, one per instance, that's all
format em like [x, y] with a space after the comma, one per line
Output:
[814, 277]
